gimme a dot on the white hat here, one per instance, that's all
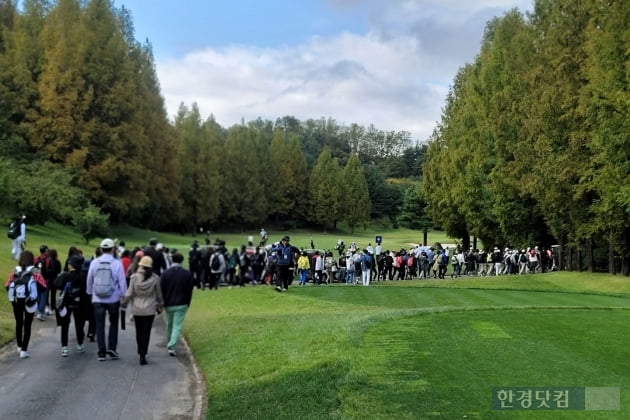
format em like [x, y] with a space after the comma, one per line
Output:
[32, 307]
[62, 311]
[107, 243]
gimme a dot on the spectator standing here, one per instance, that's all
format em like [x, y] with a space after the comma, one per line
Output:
[349, 268]
[217, 268]
[107, 304]
[177, 287]
[318, 263]
[303, 266]
[145, 295]
[366, 267]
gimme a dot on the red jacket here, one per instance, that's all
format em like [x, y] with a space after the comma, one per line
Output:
[39, 279]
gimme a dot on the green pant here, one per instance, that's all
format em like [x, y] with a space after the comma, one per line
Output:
[174, 320]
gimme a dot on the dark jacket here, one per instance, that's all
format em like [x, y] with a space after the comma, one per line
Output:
[76, 293]
[158, 259]
[177, 286]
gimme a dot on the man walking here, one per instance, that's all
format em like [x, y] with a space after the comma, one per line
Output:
[285, 253]
[107, 284]
[152, 251]
[177, 287]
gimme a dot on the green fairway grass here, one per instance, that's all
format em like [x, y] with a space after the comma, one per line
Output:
[404, 352]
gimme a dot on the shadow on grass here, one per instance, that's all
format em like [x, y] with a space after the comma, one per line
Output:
[303, 394]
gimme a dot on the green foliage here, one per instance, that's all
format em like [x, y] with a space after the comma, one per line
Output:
[327, 191]
[90, 223]
[412, 214]
[356, 199]
[534, 131]
[40, 190]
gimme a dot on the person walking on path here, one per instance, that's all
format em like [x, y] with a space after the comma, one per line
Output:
[177, 286]
[22, 287]
[18, 227]
[71, 303]
[106, 302]
[145, 295]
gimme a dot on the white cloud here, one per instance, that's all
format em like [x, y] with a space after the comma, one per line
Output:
[395, 77]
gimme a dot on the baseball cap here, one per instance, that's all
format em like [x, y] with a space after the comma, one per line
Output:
[107, 243]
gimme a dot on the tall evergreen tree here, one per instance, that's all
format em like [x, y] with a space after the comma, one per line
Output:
[356, 199]
[328, 201]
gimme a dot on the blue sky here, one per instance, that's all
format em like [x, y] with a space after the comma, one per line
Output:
[383, 62]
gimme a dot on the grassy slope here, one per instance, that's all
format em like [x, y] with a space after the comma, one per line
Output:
[318, 344]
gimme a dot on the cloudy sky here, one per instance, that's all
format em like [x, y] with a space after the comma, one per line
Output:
[383, 62]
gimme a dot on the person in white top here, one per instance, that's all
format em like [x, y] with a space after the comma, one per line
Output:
[18, 242]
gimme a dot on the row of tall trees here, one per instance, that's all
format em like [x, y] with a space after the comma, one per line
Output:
[533, 146]
[83, 124]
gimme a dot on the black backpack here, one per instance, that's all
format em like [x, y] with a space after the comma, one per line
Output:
[215, 264]
[20, 285]
[14, 230]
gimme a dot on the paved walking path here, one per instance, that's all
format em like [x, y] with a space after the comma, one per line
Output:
[48, 386]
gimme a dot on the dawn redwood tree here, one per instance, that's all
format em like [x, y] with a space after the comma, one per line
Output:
[356, 198]
[327, 191]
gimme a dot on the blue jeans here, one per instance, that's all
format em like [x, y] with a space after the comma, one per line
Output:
[350, 277]
[99, 317]
[42, 299]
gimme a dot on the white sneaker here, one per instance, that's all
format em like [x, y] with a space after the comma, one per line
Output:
[24, 354]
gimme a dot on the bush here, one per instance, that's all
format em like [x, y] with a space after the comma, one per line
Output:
[91, 223]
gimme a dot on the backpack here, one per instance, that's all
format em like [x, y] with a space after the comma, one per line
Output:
[18, 289]
[233, 261]
[243, 260]
[444, 259]
[14, 230]
[45, 267]
[215, 263]
[368, 262]
[73, 293]
[103, 280]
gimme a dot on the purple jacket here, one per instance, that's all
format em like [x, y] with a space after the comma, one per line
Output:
[119, 279]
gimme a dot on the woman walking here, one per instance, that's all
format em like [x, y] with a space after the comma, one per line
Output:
[145, 295]
[71, 299]
[22, 293]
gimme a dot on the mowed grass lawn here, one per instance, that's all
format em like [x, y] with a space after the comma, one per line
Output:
[412, 349]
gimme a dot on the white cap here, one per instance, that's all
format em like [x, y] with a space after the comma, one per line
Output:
[107, 243]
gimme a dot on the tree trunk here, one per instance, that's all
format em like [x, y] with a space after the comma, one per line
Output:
[611, 255]
[425, 237]
[589, 256]
[625, 256]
